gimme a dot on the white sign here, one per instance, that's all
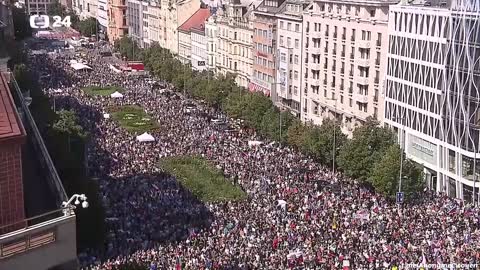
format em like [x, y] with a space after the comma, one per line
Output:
[43, 21]
[422, 149]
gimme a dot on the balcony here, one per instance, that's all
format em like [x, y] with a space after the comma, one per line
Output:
[360, 98]
[364, 44]
[363, 62]
[315, 82]
[315, 50]
[40, 241]
[362, 80]
[315, 66]
[41, 245]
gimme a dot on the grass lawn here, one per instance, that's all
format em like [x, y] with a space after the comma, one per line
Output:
[101, 91]
[133, 118]
[205, 181]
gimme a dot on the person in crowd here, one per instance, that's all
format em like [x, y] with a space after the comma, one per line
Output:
[298, 214]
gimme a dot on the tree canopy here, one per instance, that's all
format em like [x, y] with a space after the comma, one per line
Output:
[360, 157]
[87, 27]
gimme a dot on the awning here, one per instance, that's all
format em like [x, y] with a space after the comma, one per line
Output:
[116, 95]
[145, 137]
[80, 66]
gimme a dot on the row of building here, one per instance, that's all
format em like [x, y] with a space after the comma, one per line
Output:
[410, 64]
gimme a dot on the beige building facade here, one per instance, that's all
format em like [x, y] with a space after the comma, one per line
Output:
[172, 15]
[211, 31]
[344, 49]
[234, 41]
[153, 29]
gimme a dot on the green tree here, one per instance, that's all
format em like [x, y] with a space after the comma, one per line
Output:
[318, 141]
[56, 9]
[21, 23]
[24, 77]
[87, 27]
[128, 48]
[295, 133]
[368, 145]
[386, 173]
[68, 123]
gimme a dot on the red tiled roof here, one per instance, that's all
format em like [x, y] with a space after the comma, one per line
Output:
[196, 21]
[10, 125]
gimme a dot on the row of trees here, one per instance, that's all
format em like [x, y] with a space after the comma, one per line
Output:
[371, 156]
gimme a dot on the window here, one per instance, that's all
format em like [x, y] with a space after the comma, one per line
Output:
[297, 27]
[296, 59]
[281, 40]
[372, 13]
[289, 26]
[289, 42]
[295, 75]
[281, 25]
[297, 43]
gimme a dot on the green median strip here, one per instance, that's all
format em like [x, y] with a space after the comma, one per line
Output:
[202, 179]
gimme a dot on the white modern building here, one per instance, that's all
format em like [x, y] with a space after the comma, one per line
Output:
[234, 40]
[199, 48]
[289, 56]
[345, 50]
[135, 13]
[432, 93]
[102, 15]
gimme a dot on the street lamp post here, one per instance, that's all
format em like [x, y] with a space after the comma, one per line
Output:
[402, 148]
[334, 134]
[68, 207]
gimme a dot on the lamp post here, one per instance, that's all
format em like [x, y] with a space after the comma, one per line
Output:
[68, 207]
[334, 133]
[402, 147]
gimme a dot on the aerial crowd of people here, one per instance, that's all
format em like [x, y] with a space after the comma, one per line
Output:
[298, 214]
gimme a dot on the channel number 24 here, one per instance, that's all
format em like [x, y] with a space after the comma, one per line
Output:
[43, 21]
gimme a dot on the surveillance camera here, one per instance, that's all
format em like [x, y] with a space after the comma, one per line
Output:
[85, 204]
[77, 202]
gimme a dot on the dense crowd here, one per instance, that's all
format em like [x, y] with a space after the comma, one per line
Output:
[298, 214]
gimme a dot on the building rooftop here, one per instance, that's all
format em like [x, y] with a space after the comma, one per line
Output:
[196, 21]
[10, 126]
